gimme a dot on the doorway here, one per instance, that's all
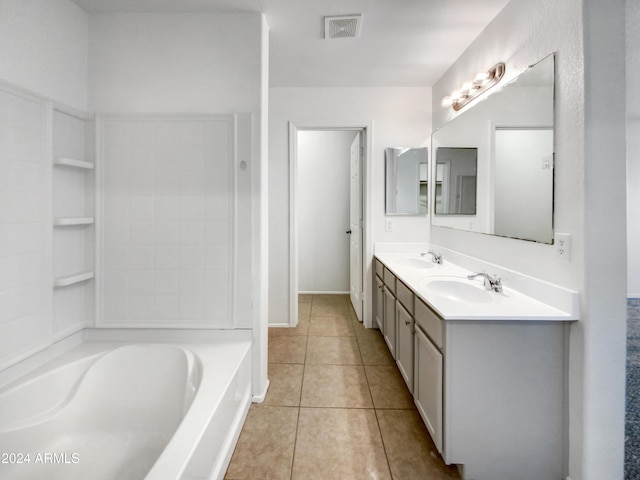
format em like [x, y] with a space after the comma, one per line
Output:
[328, 218]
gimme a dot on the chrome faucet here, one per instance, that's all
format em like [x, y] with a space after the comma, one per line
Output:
[493, 283]
[437, 258]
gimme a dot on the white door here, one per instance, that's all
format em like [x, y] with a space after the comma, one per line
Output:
[355, 227]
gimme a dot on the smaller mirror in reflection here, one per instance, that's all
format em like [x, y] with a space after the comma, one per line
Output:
[406, 181]
[456, 179]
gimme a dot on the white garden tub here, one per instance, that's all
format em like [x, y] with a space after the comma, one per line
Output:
[127, 412]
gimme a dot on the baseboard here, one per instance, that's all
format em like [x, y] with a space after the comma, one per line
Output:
[324, 293]
[279, 325]
[259, 398]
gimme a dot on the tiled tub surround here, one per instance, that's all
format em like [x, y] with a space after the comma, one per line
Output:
[169, 206]
[130, 404]
[26, 323]
[499, 364]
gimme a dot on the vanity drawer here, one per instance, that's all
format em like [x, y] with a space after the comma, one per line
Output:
[389, 280]
[429, 322]
[379, 268]
[405, 296]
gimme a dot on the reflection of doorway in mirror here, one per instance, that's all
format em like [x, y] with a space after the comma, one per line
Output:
[465, 194]
[523, 191]
[442, 187]
[456, 179]
[406, 181]
[424, 188]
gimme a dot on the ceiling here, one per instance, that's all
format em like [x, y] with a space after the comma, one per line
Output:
[403, 43]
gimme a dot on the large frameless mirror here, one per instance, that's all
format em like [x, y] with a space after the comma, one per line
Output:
[406, 174]
[493, 164]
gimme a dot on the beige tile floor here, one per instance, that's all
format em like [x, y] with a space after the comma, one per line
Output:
[337, 407]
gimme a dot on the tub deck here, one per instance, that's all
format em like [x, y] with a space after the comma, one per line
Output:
[200, 446]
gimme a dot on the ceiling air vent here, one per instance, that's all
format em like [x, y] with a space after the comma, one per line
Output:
[345, 26]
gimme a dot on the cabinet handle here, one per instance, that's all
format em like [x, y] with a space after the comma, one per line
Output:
[407, 322]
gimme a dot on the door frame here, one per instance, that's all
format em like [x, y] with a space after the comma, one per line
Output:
[367, 213]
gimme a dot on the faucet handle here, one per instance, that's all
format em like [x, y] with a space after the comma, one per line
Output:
[437, 258]
[491, 282]
[496, 283]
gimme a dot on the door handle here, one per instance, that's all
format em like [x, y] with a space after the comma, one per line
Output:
[348, 232]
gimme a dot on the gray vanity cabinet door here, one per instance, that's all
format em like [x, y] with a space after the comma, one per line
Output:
[404, 345]
[427, 388]
[379, 312]
[390, 321]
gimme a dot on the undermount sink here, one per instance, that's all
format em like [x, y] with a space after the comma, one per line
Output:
[457, 289]
[414, 262]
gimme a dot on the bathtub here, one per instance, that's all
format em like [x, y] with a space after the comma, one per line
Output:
[103, 411]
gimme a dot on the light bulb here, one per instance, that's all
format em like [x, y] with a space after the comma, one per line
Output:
[446, 101]
[481, 79]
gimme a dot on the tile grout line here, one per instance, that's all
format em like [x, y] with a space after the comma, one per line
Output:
[304, 368]
[384, 445]
[305, 363]
[297, 449]
[375, 411]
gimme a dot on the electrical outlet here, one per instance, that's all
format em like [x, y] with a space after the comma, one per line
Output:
[388, 225]
[562, 246]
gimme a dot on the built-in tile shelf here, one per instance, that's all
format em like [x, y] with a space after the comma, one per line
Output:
[72, 279]
[73, 162]
[73, 221]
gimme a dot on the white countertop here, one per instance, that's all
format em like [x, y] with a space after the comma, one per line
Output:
[414, 271]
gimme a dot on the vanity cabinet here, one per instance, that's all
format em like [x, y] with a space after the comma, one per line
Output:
[404, 344]
[394, 317]
[491, 392]
[429, 366]
[379, 303]
[389, 309]
[404, 332]
[427, 391]
[390, 320]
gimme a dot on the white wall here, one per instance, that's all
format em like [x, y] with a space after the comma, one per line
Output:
[323, 210]
[633, 147]
[260, 223]
[588, 202]
[400, 117]
[175, 63]
[633, 205]
[43, 48]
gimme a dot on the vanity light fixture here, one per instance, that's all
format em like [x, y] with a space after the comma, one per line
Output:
[482, 82]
